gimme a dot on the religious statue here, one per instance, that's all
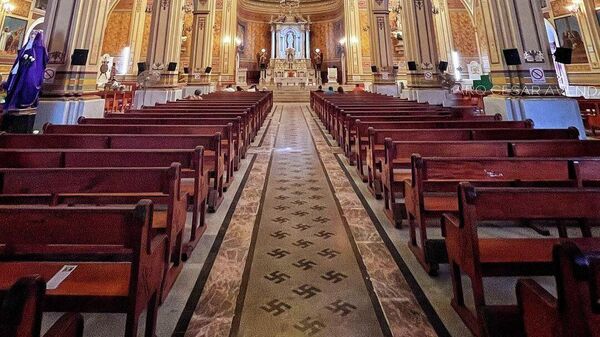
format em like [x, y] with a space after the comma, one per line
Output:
[291, 56]
[318, 59]
[263, 59]
[27, 75]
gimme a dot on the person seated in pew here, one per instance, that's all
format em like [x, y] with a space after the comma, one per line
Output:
[320, 89]
[253, 88]
[229, 88]
[197, 96]
[238, 88]
[330, 91]
[340, 90]
[358, 89]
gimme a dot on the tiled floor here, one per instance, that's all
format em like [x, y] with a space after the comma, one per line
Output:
[301, 256]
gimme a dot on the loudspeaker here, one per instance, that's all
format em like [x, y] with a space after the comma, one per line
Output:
[374, 69]
[172, 66]
[208, 70]
[79, 57]
[563, 55]
[512, 57]
[412, 65]
[186, 70]
[141, 67]
[443, 66]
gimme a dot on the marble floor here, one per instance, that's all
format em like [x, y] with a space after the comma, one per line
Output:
[299, 248]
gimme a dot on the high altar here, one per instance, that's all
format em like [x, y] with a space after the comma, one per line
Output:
[290, 51]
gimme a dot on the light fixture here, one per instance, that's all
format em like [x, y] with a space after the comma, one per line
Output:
[238, 41]
[317, 50]
[226, 39]
[354, 40]
[263, 50]
[574, 7]
[7, 6]
[342, 41]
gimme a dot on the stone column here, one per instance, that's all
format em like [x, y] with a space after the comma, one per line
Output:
[164, 47]
[352, 42]
[68, 91]
[136, 34]
[201, 53]
[510, 24]
[381, 37]
[228, 47]
[420, 42]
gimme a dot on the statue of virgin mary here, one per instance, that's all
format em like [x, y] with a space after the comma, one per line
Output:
[27, 75]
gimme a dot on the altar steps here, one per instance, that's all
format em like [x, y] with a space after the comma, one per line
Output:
[291, 96]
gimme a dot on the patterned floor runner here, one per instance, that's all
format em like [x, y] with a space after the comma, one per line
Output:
[305, 278]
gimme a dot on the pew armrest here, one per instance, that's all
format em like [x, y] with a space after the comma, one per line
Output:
[539, 309]
[69, 325]
[450, 220]
[159, 241]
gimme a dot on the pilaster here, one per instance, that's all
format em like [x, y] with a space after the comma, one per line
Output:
[517, 24]
[165, 40]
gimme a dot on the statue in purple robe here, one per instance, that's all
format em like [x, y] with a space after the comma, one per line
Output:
[27, 75]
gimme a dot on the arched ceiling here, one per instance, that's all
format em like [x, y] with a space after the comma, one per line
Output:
[316, 9]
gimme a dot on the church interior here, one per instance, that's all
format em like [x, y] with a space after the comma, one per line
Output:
[292, 168]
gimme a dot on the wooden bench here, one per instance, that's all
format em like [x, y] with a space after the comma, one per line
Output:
[120, 260]
[227, 143]
[431, 190]
[21, 312]
[576, 310]
[396, 165]
[108, 186]
[506, 256]
[194, 177]
[239, 136]
[556, 148]
[212, 158]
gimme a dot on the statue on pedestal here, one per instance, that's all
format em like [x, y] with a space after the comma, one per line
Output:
[291, 56]
[24, 85]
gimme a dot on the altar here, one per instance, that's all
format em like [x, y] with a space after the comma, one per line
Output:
[297, 72]
[290, 63]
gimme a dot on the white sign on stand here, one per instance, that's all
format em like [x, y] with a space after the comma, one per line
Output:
[428, 76]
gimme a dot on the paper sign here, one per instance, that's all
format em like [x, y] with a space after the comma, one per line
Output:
[49, 75]
[428, 76]
[538, 76]
[60, 276]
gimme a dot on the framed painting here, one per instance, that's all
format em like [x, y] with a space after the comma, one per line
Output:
[12, 35]
[569, 34]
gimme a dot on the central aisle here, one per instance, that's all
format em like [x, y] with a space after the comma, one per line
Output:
[304, 275]
[301, 256]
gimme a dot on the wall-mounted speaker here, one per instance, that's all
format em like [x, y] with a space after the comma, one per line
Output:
[512, 57]
[208, 70]
[172, 66]
[374, 69]
[443, 66]
[141, 67]
[79, 57]
[563, 55]
[412, 65]
[186, 70]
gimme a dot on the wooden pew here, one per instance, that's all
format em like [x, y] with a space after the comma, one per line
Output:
[225, 131]
[240, 141]
[431, 190]
[21, 312]
[108, 186]
[556, 148]
[194, 176]
[212, 158]
[575, 311]
[120, 260]
[396, 166]
[506, 256]
[363, 135]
